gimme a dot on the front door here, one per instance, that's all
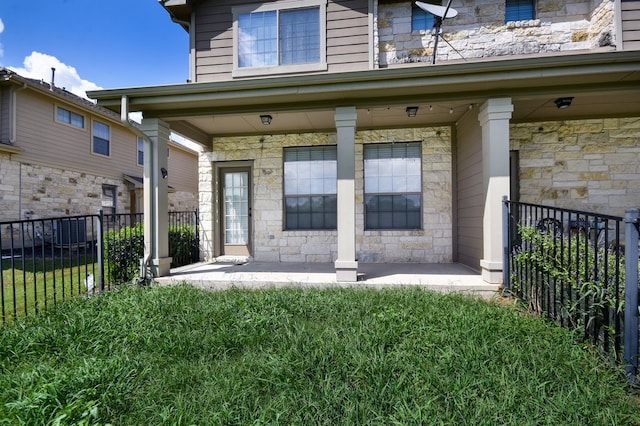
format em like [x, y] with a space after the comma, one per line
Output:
[235, 212]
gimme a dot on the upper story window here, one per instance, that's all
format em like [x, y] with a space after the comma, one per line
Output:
[420, 20]
[101, 139]
[310, 176]
[140, 151]
[279, 37]
[393, 186]
[69, 117]
[519, 10]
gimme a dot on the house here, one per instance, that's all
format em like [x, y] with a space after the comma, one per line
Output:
[336, 131]
[63, 155]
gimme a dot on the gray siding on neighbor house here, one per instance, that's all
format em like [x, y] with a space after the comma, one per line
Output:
[347, 37]
[631, 25]
[470, 191]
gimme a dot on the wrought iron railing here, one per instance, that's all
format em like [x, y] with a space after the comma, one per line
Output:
[45, 261]
[579, 269]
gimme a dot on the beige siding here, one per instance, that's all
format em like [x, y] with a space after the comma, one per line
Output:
[48, 142]
[631, 25]
[183, 170]
[5, 116]
[347, 37]
[470, 199]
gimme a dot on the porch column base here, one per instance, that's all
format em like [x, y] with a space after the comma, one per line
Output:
[491, 271]
[161, 267]
[346, 270]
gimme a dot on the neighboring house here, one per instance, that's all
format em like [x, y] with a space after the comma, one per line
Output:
[330, 135]
[63, 155]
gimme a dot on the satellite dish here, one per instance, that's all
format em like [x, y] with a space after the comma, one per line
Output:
[436, 10]
[440, 13]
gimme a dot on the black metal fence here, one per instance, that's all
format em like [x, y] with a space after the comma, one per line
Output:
[45, 261]
[579, 269]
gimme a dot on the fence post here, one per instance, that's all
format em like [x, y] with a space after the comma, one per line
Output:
[505, 245]
[631, 294]
[100, 249]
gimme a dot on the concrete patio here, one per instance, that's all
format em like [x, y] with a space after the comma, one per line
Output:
[451, 277]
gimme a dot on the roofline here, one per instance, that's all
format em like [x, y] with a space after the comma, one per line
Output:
[67, 98]
[331, 87]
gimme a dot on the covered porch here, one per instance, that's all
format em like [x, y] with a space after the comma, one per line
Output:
[468, 105]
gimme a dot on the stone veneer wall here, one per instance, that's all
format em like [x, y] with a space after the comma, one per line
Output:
[272, 243]
[591, 165]
[479, 31]
[46, 192]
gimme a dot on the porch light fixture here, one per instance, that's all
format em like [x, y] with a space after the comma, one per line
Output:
[266, 119]
[412, 111]
[563, 103]
[164, 173]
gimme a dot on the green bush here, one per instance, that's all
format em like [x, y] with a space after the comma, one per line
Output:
[182, 242]
[123, 250]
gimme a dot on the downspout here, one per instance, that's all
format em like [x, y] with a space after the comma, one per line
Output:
[13, 125]
[124, 118]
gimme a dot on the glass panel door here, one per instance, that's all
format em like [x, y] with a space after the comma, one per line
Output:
[236, 212]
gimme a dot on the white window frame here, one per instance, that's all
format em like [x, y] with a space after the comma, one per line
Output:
[93, 136]
[281, 69]
[139, 149]
[70, 123]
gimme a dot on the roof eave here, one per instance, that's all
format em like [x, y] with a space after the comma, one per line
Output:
[444, 80]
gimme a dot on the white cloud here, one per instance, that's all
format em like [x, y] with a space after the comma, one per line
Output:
[1, 31]
[38, 66]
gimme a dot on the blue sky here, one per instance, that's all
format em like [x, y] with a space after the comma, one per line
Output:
[93, 43]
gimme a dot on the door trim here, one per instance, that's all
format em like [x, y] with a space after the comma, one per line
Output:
[218, 203]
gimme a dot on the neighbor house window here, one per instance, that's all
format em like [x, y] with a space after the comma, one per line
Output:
[109, 199]
[140, 151]
[420, 20]
[310, 176]
[392, 186]
[281, 37]
[69, 117]
[519, 10]
[100, 138]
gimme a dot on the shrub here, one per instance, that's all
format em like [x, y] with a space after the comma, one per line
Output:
[123, 250]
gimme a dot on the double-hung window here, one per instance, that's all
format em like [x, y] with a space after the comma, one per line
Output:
[279, 37]
[101, 139]
[310, 176]
[63, 115]
[392, 186]
[519, 10]
[140, 151]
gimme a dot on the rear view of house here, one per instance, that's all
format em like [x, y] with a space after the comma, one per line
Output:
[352, 131]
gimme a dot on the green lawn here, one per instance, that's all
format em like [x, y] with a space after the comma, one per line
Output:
[180, 355]
[32, 285]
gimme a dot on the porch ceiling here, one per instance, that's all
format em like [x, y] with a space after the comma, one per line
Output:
[602, 84]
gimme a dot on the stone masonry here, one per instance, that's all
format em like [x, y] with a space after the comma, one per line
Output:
[479, 31]
[591, 165]
[432, 244]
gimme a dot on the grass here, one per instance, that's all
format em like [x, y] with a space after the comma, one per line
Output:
[30, 285]
[180, 356]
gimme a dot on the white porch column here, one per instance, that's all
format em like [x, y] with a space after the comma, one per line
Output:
[494, 118]
[346, 263]
[156, 200]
